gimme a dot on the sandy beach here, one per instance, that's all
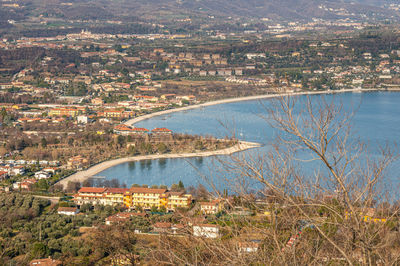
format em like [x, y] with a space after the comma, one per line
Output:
[92, 171]
[133, 121]
[241, 146]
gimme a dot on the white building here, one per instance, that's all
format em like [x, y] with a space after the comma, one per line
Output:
[42, 175]
[68, 210]
[206, 230]
[82, 119]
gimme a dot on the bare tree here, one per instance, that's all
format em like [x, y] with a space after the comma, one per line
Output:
[336, 195]
[319, 193]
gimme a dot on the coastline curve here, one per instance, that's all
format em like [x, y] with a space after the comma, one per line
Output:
[92, 171]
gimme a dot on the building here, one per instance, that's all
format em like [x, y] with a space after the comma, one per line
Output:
[127, 130]
[211, 207]
[248, 247]
[42, 175]
[162, 227]
[97, 101]
[206, 230]
[122, 217]
[68, 211]
[45, 262]
[3, 175]
[113, 196]
[168, 228]
[161, 131]
[154, 197]
[71, 112]
[144, 197]
[77, 162]
[103, 196]
[116, 114]
[177, 200]
[26, 184]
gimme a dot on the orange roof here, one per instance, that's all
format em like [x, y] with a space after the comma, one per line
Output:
[163, 129]
[92, 190]
[162, 225]
[117, 190]
[147, 190]
[140, 129]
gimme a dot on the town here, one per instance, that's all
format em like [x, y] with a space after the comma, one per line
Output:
[77, 78]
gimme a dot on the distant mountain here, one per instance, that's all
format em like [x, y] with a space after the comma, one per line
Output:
[172, 9]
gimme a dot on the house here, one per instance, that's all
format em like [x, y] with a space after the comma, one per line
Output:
[177, 200]
[248, 246]
[3, 175]
[25, 184]
[77, 162]
[17, 170]
[42, 175]
[45, 262]
[122, 217]
[97, 101]
[206, 230]
[127, 130]
[82, 119]
[161, 131]
[211, 207]
[162, 227]
[68, 211]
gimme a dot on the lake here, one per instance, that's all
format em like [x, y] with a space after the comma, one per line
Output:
[377, 121]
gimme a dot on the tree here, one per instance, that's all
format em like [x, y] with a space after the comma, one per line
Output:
[332, 213]
[39, 250]
[162, 148]
[180, 185]
[115, 243]
[346, 184]
[43, 142]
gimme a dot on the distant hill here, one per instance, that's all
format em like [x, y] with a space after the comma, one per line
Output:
[171, 9]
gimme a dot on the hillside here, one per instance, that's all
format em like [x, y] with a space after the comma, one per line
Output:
[170, 9]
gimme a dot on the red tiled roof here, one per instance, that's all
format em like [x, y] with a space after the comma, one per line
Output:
[117, 190]
[163, 129]
[162, 225]
[140, 129]
[147, 190]
[92, 190]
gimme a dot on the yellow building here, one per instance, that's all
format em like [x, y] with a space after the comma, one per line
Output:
[102, 196]
[143, 197]
[155, 197]
[177, 200]
[211, 207]
[64, 112]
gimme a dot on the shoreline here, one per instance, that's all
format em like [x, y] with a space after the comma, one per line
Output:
[95, 169]
[241, 146]
[133, 121]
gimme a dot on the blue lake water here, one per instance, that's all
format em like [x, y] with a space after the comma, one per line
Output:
[377, 121]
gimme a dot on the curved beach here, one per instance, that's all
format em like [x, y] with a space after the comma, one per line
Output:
[92, 171]
[135, 120]
[241, 146]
